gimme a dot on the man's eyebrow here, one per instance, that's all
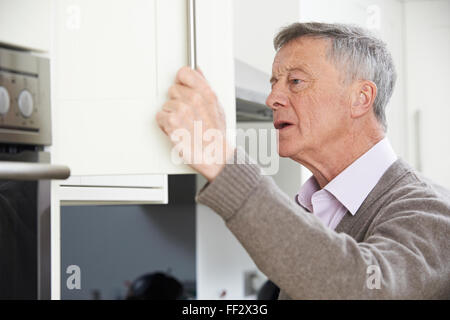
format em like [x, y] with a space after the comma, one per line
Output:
[294, 68]
[299, 68]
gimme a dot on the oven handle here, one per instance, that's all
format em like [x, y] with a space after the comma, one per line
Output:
[11, 170]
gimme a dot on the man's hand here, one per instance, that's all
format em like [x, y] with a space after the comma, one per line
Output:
[192, 105]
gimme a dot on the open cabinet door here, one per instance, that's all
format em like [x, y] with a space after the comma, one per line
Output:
[113, 62]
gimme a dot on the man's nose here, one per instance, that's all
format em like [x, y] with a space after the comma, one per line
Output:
[276, 99]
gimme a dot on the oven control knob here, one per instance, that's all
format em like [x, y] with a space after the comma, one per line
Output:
[4, 101]
[25, 102]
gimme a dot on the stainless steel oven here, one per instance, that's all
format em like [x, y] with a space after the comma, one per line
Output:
[25, 174]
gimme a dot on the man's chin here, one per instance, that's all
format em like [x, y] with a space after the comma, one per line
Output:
[289, 151]
[284, 153]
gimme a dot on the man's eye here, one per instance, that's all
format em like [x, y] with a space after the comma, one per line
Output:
[296, 81]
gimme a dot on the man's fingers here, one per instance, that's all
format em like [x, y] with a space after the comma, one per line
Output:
[179, 91]
[185, 94]
[161, 117]
[175, 105]
[191, 78]
[170, 106]
[168, 122]
[172, 116]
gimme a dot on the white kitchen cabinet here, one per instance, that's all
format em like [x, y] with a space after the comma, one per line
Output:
[112, 64]
[25, 24]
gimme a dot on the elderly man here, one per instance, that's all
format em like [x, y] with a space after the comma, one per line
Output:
[366, 225]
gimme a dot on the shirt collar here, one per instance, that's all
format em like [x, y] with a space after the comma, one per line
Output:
[306, 192]
[352, 186]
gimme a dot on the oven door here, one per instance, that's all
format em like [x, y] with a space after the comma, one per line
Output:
[25, 223]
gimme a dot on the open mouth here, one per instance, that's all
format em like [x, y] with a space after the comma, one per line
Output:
[281, 124]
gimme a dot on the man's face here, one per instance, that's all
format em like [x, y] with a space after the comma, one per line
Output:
[309, 100]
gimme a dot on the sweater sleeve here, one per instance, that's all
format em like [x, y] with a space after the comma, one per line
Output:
[307, 260]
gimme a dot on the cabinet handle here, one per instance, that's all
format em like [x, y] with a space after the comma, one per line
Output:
[192, 45]
[11, 170]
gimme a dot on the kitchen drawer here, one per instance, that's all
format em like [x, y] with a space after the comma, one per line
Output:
[125, 189]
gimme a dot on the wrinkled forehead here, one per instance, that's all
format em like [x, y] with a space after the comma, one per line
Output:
[308, 53]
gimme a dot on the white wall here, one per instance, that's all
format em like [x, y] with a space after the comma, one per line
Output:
[221, 259]
[427, 52]
[26, 24]
[255, 24]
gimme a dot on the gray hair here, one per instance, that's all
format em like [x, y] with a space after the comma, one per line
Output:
[361, 54]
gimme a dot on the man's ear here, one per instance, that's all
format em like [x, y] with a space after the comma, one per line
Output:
[362, 98]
